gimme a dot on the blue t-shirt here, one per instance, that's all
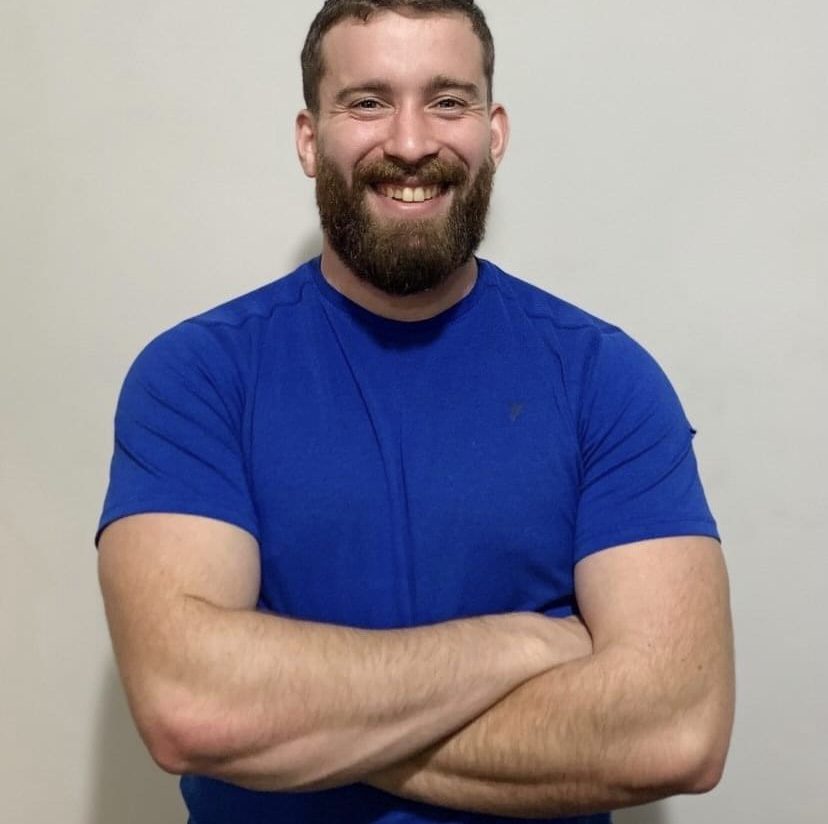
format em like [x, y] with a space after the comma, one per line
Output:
[398, 474]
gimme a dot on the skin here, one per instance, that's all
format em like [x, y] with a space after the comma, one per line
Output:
[217, 688]
[648, 715]
[407, 89]
[514, 714]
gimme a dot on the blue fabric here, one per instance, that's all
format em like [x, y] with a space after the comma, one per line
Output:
[398, 474]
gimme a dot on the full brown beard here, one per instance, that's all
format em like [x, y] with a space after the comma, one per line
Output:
[406, 256]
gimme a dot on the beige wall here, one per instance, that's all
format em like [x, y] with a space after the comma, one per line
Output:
[667, 171]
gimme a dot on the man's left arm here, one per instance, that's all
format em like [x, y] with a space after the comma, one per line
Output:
[648, 715]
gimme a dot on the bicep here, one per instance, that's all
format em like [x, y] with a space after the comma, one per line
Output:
[659, 614]
[669, 593]
[660, 609]
[148, 563]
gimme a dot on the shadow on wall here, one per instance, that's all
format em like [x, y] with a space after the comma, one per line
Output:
[129, 788]
[651, 814]
[307, 248]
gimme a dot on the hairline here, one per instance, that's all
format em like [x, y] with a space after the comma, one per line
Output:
[404, 11]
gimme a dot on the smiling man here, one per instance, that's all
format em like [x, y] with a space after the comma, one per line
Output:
[404, 157]
[400, 537]
[403, 141]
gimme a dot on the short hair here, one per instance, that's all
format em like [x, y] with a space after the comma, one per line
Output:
[334, 11]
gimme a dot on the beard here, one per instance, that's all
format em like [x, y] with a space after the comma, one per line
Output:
[405, 256]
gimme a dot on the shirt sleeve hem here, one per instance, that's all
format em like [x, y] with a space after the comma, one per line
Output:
[172, 508]
[643, 532]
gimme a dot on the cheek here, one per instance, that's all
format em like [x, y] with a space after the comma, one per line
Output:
[348, 143]
[473, 146]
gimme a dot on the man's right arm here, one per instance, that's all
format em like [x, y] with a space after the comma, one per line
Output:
[271, 703]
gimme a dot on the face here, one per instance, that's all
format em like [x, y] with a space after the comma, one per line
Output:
[404, 147]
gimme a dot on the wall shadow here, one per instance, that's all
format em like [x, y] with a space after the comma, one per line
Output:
[649, 814]
[307, 248]
[128, 786]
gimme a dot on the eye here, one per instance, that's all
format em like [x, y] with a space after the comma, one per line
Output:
[368, 108]
[369, 104]
[450, 104]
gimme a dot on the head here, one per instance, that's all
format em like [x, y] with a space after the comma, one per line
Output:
[401, 135]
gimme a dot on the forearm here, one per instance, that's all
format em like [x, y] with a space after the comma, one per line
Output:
[274, 704]
[595, 734]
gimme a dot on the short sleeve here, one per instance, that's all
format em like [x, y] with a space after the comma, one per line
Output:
[639, 475]
[178, 434]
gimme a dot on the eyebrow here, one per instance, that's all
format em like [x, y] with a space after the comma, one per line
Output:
[442, 83]
[438, 83]
[369, 87]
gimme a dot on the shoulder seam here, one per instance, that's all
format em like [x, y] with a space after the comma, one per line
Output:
[602, 327]
[598, 324]
[200, 320]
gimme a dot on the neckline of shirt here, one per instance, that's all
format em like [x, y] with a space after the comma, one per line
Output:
[399, 327]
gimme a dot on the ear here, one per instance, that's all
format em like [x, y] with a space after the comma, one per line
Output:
[499, 124]
[306, 141]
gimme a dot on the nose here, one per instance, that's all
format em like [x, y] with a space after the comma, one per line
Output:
[411, 138]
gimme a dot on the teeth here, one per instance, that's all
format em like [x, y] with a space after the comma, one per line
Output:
[407, 194]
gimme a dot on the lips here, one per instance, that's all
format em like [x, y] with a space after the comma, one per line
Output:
[414, 184]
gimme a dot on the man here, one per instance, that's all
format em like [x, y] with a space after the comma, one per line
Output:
[354, 515]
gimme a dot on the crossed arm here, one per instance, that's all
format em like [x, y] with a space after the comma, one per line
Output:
[648, 715]
[504, 714]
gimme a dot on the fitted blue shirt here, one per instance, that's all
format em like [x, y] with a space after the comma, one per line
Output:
[397, 474]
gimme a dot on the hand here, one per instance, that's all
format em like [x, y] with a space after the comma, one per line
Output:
[563, 639]
[571, 638]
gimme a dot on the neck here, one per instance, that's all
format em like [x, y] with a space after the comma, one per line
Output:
[421, 306]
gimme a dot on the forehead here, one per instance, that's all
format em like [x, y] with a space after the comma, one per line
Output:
[401, 50]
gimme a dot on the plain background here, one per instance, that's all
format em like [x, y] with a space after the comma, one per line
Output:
[667, 172]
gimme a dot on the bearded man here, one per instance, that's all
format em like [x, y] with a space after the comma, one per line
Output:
[400, 537]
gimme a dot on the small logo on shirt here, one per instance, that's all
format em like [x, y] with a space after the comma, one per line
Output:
[515, 411]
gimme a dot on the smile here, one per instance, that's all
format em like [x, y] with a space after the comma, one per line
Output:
[408, 194]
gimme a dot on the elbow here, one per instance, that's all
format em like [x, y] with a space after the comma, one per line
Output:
[696, 759]
[685, 755]
[182, 745]
[188, 733]
[707, 777]
[166, 747]
[188, 737]
[179, 739]
[182, 748]
[707, 740]
[169, 738]
[707, 763]
[701, 771]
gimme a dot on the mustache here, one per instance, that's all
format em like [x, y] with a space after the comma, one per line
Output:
[431, 172]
